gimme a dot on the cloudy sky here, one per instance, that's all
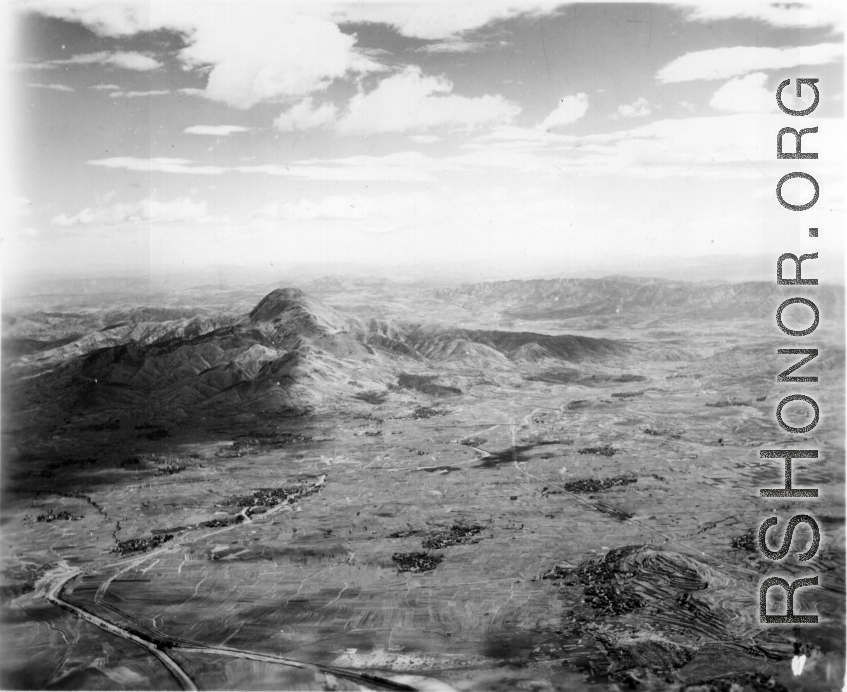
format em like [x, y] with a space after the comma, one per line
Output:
[152, 135]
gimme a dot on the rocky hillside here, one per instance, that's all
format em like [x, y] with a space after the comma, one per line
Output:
[291, 352]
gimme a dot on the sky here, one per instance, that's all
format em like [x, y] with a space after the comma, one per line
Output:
[164, 135]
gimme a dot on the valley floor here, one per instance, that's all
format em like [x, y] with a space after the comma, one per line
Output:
[589, 533]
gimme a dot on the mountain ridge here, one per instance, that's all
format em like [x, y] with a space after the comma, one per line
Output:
[566, 298]
[290, 352]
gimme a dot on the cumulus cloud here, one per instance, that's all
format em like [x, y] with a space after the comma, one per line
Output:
[412, 101]
[265, 55]
[266, 51]
[404, 102]
[54, 87]
[745, 95]
[723, 63]
[147, 210]
[215, 130]
[119, 18]
[253, 52]
[569, 110]
[304, 116]
[421, 20]
[637, 109]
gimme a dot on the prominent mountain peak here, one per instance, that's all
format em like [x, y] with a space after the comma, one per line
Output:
[292, 304]
[277, 300]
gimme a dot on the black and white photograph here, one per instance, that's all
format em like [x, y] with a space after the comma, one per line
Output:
[423, 345]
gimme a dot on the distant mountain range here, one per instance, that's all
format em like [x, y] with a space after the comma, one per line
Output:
[627, 296]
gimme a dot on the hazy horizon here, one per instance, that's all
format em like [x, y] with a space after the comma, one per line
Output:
[728, 269]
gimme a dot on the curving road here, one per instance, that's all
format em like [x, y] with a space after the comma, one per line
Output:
[55, 581]
[54, 595]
